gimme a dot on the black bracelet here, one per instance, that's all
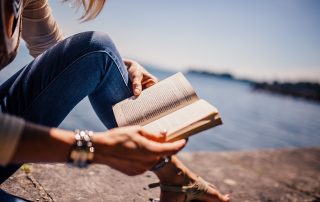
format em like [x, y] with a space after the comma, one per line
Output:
[163, 161]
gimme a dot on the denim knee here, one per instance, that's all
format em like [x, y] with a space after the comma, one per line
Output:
[99, 42]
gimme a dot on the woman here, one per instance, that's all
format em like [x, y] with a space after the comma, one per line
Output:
[63, 72]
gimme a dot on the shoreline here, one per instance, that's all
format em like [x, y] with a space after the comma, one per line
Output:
[305, 90]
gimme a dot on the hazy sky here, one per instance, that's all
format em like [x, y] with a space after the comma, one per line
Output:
[261, 39]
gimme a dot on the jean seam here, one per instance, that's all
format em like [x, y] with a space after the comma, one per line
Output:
[117, 62]
[66, 69]
[107, 73]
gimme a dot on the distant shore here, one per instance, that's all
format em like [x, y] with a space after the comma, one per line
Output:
[305, 90]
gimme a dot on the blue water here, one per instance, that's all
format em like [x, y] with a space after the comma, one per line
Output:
[252, 119]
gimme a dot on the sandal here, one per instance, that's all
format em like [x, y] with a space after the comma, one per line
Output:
[192, 191]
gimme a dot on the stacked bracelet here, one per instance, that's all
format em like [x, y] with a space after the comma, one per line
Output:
[82, 152]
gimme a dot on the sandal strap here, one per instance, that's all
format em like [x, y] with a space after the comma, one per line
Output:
[154, 185]
[196, 189]
[174, 188]
[192, 191]
[167, 187]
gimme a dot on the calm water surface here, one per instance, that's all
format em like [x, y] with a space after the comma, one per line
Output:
[252, 120]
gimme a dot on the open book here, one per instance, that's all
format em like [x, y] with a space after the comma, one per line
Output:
[171, 104]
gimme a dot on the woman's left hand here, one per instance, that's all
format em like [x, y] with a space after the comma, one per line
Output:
[139, 76]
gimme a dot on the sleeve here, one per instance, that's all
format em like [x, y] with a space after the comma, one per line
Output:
[39, 29]
[10, 130]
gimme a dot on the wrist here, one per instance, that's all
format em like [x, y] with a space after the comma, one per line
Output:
[102, 144]
[82, 150]
[53, 143]
[64, 136]
[65, 139]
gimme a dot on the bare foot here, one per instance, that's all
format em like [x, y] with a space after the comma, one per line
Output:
[175, 173]
[212, 195]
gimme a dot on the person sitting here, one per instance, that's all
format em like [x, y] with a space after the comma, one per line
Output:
[36, 99]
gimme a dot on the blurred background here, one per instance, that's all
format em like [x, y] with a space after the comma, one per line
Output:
[258, 62]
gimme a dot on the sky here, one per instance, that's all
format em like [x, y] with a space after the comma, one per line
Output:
[265, 39]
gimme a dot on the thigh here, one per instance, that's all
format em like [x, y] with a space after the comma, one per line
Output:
[48, 88]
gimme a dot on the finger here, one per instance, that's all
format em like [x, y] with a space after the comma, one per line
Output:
[149, 75]
[161, 137]
[141, 156]
[148, 83]
[128, 167]
[164, 132]
[128, 128]
[149, 80]
[136, 84]
[164, 149]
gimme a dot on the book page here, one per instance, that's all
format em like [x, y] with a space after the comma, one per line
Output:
[187, 120]
[156, 101]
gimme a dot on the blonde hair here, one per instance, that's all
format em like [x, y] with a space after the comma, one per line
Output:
[92, 8]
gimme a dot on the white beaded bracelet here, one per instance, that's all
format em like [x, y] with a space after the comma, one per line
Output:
[82, 152]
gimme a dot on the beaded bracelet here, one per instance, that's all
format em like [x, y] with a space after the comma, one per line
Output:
[82, 152]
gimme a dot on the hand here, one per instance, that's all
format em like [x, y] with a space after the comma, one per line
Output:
[139, 76]
[132, 150]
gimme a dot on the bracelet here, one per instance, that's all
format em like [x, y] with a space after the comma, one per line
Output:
[82, 151]
[163, 161]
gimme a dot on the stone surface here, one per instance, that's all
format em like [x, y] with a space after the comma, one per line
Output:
[269, 175]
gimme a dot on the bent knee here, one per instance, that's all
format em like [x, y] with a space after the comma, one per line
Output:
[84, 43]
[101, 41]
[90, 41]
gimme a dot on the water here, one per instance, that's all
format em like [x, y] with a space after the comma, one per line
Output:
[252, 120]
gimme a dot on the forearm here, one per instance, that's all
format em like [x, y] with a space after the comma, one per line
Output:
[42, 144]
[39, 28]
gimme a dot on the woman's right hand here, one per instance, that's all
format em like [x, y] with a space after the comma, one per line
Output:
[132, 150]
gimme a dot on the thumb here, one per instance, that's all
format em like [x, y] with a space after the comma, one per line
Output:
[154, 137]
[136, 84]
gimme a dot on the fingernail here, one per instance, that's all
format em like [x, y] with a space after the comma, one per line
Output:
[164, 132]
[136, 91]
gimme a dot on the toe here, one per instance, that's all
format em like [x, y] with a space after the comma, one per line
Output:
[225, 198]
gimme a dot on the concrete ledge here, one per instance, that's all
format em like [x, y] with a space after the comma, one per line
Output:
[269, 175]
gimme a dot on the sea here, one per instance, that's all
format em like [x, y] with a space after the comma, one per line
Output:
[251, 119]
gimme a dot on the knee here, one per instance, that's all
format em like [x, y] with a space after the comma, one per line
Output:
[100, 41]
[91, 41]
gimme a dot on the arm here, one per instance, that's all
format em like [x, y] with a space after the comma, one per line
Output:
[130, 150]
[39, 29]
[42, 144]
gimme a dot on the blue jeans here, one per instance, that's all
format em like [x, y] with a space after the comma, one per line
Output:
[47, 89]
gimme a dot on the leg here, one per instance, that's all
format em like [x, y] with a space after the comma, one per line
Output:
[177, 174]
[47, 89]
[51, 85]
